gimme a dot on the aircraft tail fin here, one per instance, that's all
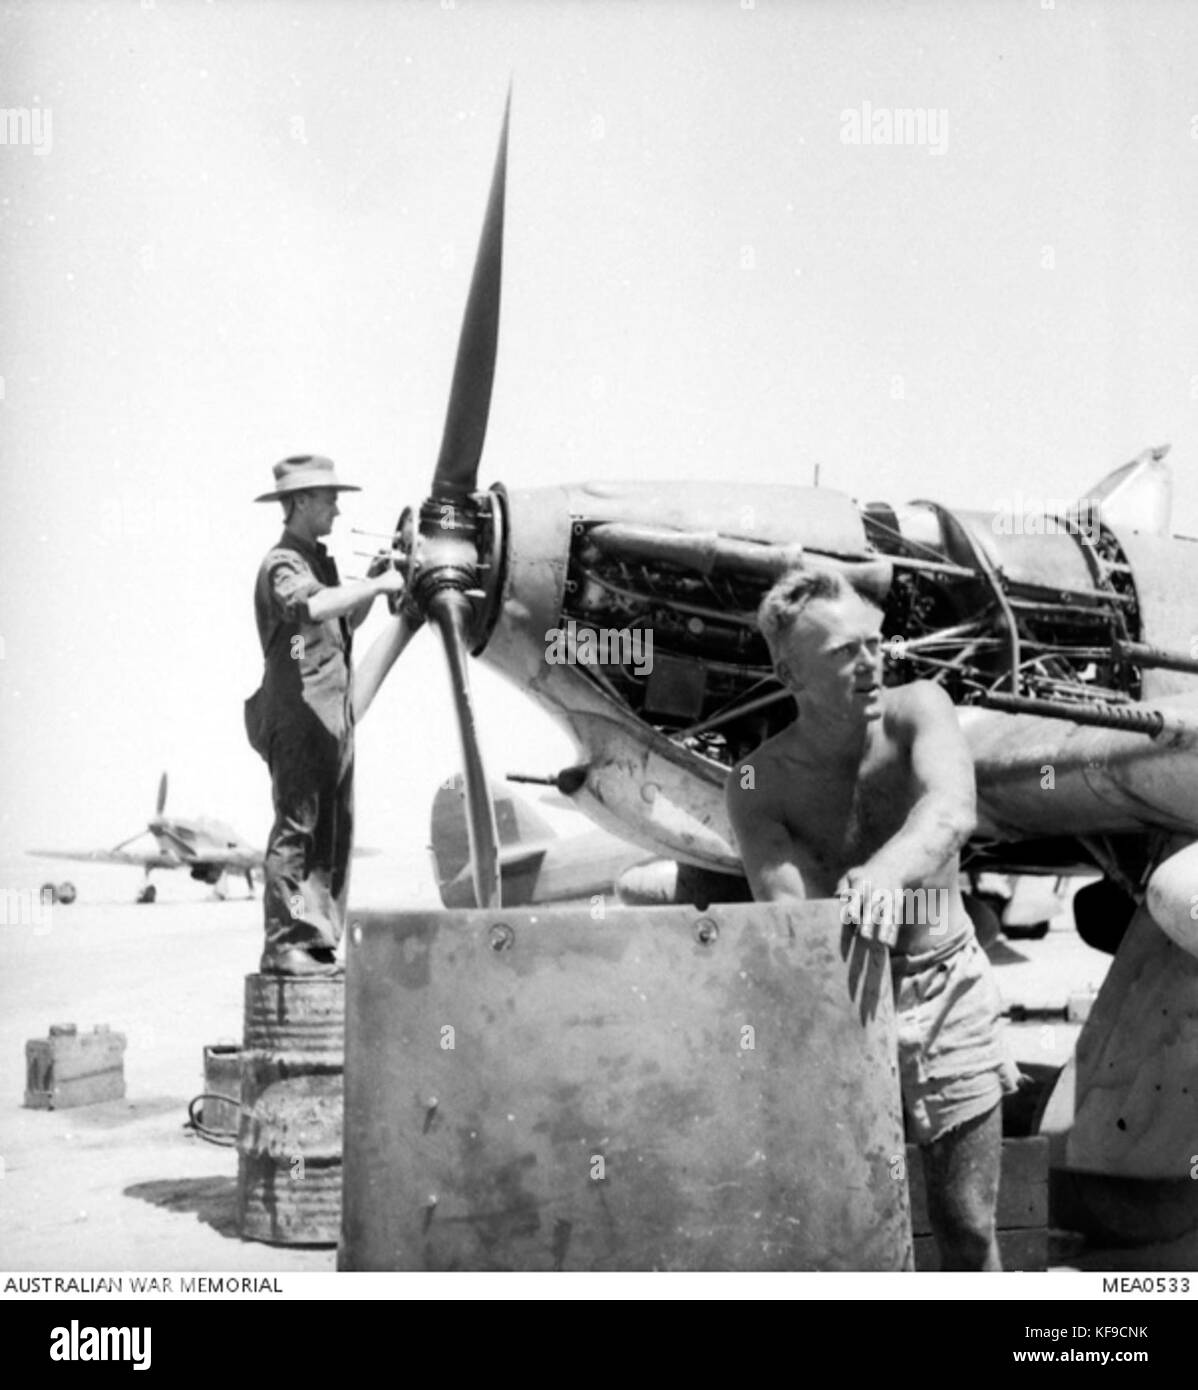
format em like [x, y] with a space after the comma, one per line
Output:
[521, 828]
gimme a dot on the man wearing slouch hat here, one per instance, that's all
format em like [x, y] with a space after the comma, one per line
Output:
[301, 719]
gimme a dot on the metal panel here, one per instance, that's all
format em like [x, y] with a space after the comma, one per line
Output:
[658, 1089]
[1049, 558]
[1163, 567]
[817, 518]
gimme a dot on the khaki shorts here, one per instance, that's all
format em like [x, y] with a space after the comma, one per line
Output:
[953, 1062]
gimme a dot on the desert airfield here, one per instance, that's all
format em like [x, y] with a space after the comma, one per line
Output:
[126, 1186]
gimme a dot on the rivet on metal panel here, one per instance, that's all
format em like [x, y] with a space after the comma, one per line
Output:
[706, 931]
[501, 936]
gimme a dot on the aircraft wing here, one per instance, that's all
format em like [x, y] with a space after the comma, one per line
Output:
[1036, 775]
[153, 859]
[234, 859]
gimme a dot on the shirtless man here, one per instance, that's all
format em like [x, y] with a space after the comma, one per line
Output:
[869, 796]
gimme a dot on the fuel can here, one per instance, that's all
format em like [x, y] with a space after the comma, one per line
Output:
[71, 1068]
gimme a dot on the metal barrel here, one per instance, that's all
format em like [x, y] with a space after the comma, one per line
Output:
[660, 1089]
[289, 1134]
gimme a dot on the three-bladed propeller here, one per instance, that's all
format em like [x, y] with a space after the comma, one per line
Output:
[447, 563]
[159, 807]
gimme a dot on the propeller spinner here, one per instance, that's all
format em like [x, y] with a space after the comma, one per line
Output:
[444, 562]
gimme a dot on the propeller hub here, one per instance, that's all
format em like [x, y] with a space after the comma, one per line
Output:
[445, 553]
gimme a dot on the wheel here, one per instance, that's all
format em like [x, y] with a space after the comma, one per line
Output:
[147, 894]
[66, 892]
[1102, 912]
[49, 893]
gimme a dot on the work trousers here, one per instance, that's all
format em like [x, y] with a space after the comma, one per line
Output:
[306, 867]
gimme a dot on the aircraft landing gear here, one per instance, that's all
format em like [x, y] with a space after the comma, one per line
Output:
[58, 893]
[985, 912]
[147, 894]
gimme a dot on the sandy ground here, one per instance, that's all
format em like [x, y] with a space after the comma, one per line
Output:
[124, 1185]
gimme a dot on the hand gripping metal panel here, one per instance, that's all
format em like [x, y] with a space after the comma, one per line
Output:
[660, 1089]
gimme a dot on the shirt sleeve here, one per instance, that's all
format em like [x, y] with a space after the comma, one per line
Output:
[292, 584]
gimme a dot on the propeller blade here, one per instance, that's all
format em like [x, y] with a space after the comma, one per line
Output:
[456, 473]
[161, 795]
[129, 841]
[450, 610]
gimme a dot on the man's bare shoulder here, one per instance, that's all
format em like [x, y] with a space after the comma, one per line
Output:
[756, 771]
[919, 704]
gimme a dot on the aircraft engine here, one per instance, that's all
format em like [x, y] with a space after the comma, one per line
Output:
[1044, 614]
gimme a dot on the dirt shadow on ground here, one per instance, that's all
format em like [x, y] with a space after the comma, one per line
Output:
[212, 1200]
[112, 1114]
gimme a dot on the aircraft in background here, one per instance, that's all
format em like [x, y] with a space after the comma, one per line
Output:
[208, 849]
[536, 864]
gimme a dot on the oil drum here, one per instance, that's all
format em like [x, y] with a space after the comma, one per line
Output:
[289, 1135]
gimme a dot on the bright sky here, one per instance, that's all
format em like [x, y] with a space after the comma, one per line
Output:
[248, 232]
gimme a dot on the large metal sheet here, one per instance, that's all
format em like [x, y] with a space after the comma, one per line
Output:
[659, 1089]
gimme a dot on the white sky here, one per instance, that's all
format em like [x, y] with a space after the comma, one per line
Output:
[252, 236]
